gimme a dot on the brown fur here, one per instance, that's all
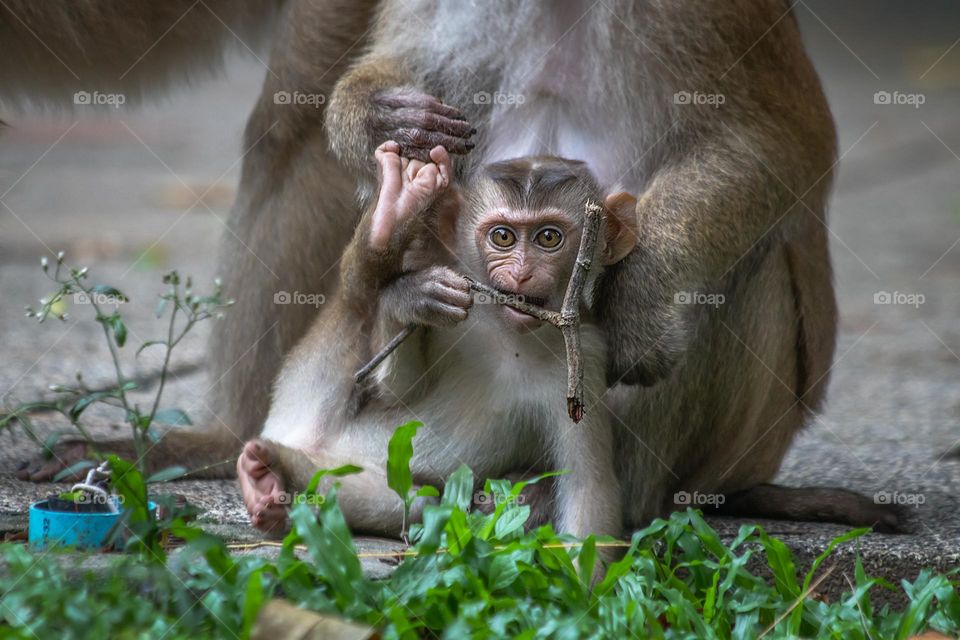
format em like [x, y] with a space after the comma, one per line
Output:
[54, 48]
[733, 201]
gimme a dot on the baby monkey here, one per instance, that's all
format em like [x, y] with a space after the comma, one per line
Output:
[487, 381]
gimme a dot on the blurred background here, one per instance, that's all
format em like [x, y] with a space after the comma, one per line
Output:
[119, 193]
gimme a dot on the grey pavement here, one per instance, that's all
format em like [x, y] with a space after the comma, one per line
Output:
[114, 193]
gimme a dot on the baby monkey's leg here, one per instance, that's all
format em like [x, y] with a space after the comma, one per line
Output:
[271, 475]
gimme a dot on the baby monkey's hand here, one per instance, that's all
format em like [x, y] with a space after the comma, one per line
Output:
[434, 297]
[407, 188]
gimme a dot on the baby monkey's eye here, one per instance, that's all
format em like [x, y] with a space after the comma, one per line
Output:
[502, 237]
[549, 238]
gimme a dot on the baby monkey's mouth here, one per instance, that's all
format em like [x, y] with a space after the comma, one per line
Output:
[520, 297]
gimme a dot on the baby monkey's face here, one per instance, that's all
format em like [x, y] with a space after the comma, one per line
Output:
[528, 255]
[522, 227]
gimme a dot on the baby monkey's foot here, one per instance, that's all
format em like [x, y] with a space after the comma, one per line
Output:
[407, 188]
[262, 488]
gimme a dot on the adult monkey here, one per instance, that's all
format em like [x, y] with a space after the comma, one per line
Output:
[712, 112]
[734, 194]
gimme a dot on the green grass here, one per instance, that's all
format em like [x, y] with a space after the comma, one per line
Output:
[469, 575]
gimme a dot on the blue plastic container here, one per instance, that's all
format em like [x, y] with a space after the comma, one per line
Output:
[69, 529]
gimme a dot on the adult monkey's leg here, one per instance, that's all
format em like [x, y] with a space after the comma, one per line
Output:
[294, 214]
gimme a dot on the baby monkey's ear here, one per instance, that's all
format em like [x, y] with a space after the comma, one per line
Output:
[622, 227]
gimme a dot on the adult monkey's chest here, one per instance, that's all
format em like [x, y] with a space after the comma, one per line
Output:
[558, 78]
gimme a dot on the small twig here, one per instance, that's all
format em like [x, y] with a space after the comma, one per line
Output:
[514, 302]
[364, 371]
[803, 596]
[570, 311]
[567, 320]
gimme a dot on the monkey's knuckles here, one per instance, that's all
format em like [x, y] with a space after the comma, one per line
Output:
[448, 292]
[417, 143]
[430, 311]
[419, 123]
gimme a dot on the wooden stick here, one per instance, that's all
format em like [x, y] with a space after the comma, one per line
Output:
[365, 370]
[508, 300]
[567, 320]
[570, 311]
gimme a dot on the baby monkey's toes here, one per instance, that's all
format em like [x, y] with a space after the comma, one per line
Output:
[262, 488]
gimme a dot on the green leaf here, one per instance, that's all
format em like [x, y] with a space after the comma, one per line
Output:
[252, 601]
[338, 472]
[706, 535]
[586, 561]
[503, 572]
[615, 571]
[165, 475]
[836, 542]
[780, 560]
[797, 614]
[427, 491]
[458, 490]
[511, 521]
[110, 292]
[399, 453]
[51, 440]
[127, 482]
[119, 330]
[710, 598]
[435, 518]
[149, 343]
[85, 401]
[173, 416]
[458, 532]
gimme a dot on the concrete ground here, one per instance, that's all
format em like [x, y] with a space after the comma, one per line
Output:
[116, 194]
